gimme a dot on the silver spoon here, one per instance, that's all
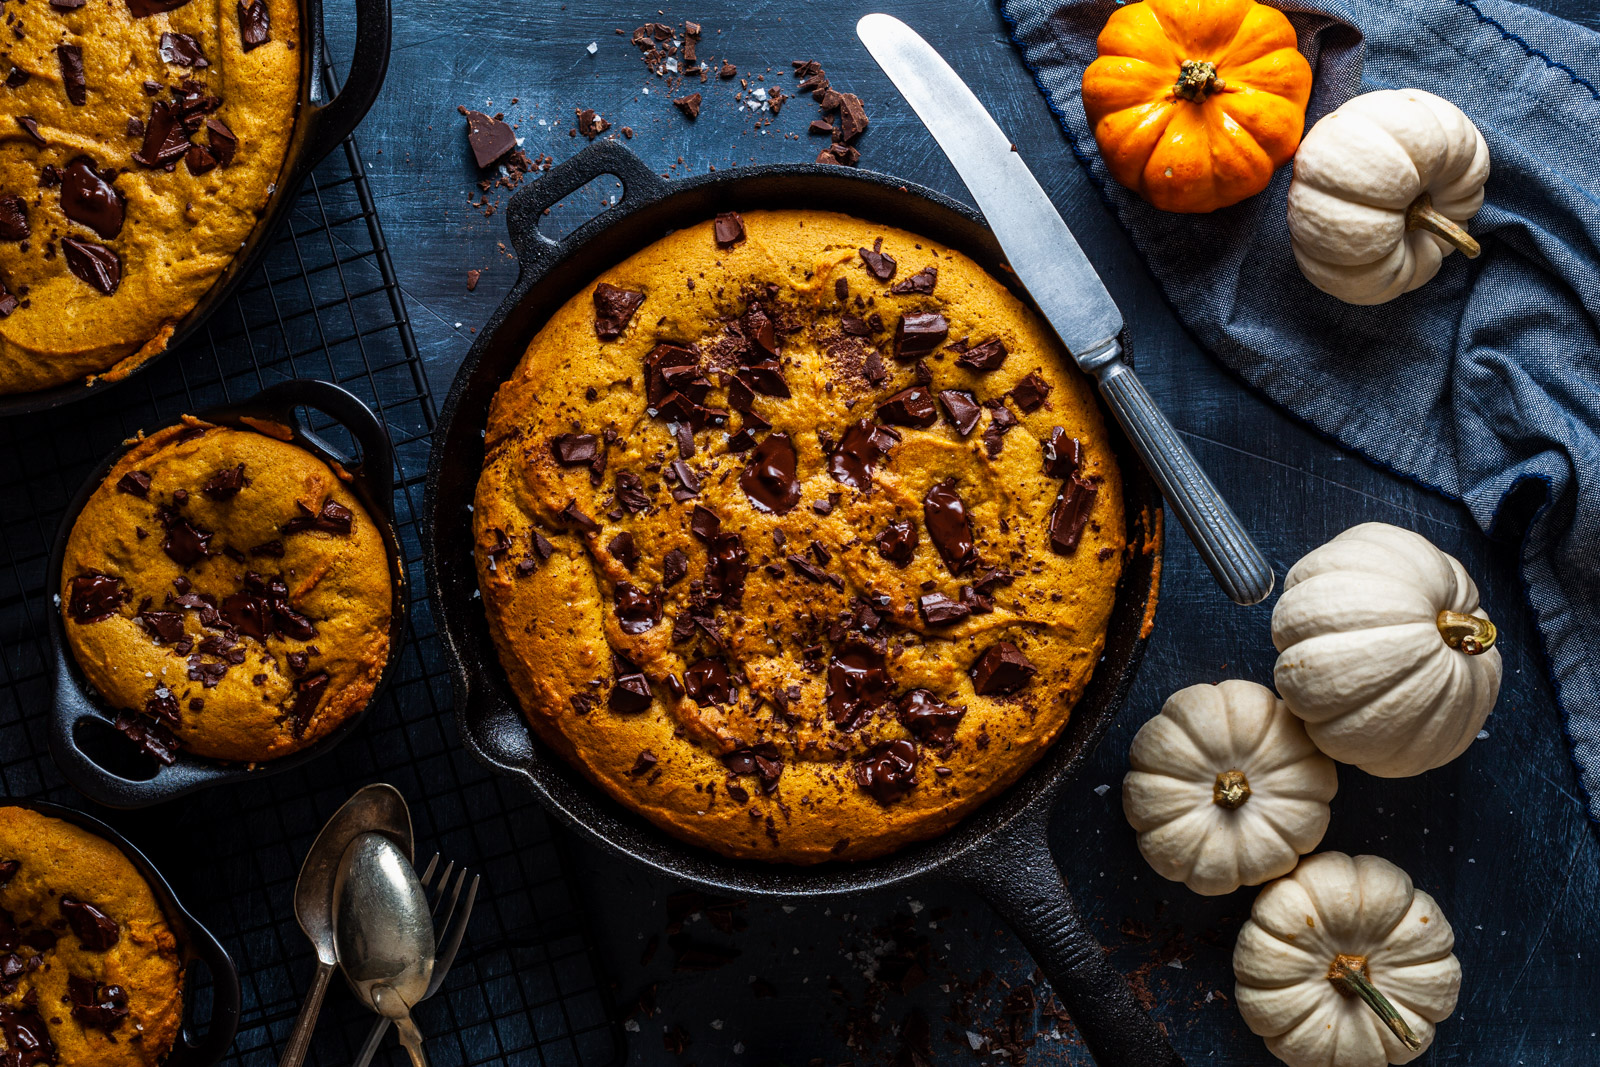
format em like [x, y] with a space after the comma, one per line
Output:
[383, 930]
[375, 808]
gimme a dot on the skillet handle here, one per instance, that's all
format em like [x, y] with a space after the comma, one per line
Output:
[334, 121]
[375, 472]
[529, 203]
[224, 1022]
[1014, 871]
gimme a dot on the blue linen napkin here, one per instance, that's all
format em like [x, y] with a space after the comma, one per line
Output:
[1485, 383]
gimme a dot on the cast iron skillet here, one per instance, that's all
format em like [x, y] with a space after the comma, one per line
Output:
[94, 757]
[1001, 850]
[320, 126]
[194, 943]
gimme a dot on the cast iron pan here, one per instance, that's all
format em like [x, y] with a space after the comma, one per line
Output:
[320, 126]
[99, 761]
[1000, 850]
[194, 943]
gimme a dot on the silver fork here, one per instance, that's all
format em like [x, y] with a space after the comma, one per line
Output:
[451, 923]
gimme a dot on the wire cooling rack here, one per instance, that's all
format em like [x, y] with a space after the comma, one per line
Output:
[527, 988]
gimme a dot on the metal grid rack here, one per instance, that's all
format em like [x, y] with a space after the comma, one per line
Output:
[527, 987]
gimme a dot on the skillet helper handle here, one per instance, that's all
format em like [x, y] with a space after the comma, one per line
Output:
[529, 203]
[224, 1022]
[338, 118]
[305, 1024]
[1235, 561]
[1014, 871]
[376, 469]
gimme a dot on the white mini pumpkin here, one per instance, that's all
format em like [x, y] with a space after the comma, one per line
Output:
[1384, 651]
[1226, 788]
[1383, 187]
[1345, 964]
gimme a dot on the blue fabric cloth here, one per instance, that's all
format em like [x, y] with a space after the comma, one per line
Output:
[1485, 383]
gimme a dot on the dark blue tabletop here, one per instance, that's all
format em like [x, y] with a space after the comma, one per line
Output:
[1498, 836]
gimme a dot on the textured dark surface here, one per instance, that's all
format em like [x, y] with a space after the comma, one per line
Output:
[1497, 836]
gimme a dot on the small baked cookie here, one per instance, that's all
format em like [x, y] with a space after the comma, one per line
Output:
[798, 534]
[227, 593]
[89, 969]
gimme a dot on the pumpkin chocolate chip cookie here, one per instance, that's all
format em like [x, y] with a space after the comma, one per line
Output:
[141, 139]
[226, 592]
[89, 969]
[798, 534]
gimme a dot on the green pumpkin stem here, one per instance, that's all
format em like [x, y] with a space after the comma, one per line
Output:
[1349, 976]
[1421, 216]
[1197, 79]
[1466, 633]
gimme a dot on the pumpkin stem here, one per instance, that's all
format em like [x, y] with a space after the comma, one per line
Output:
[1232, 789]
[1466, 633]
[1350, 977]
[1421, 216]
[1197, 79]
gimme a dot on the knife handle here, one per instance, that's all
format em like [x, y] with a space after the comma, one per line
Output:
[1235, 561]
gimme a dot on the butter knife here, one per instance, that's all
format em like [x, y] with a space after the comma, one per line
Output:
[1056, 273]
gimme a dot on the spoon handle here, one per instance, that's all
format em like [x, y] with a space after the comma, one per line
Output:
[411, 1038]
[374, 1039]
[306, 1023]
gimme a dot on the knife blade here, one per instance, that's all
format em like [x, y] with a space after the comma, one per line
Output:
[1051, 265]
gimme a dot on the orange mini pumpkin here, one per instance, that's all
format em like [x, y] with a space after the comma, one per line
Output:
[1194, 103]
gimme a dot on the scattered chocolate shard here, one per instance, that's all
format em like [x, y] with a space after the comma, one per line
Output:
[255, 25]
[985, 357]
[8, 302]
[31, 128]
[644, 764]
[939, 610]
[728, 229]
[919, 334]
[165, 139]
[704, 524]
[624, 550]
[1030, 394]
[822, 126]
[689, 105]
[1070, 514]
[764, 761]
[688, 481]
[572, 515]
[135, 483]
[70, 57]
[225, 484]
[674, 566]
[14, 219]
[1001, 670]
[95, 265]
[575, 449]
[855, 326]
[808, 570]
[910, 407]
[613, 310]
[182, 50]
[888, 771]
[17, 78]
[728, 70]
[199, 160]
[945, 516]
[333, 517]
[630, 492]
[840, 154]
[766, 378]
[879, 263]
[852, 117]
[590, 124]
[921, 282]
[962, 408]
[307, 695]
[1063, 454]
[489, 138]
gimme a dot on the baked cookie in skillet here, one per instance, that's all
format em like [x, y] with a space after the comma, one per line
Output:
[227, 593]
[139, 141]
[798, 534]
[89, 969]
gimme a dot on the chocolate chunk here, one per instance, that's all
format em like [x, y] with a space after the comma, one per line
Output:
[858, 682]
[636, 609]
[13, 219]
[688, 481]
[763, 760]
[31, 128]
[672, 369]
[541, 546]
[27, 1040]
[727, 564]
[623, 550]
[930, 721]
[590, 124]
[199, 160]
[864, 444]
[95, 597]
[572, 515]
[333, 518]
[255, 27]
[17, 78]
[674, 565]
[575, 449]
[72, 80]
[985, 357]
[948, 526]
[630, 694]
[1063, 455]
[689, 105]
[963, 409]
[152, 738]
[1001, 669]
[1029, 394]
[766, 378]
[977, 602]
[225, 484]
[898, 542]
[1000, 423]
[918, 334]
[769, 478]
[910, 407]
[921, 282]
[164, 627]
[165, 139]
[644, 764]
[307, 694]
[88, 197]
[181, 50]
[224, 144]
[880, 264]
[707, 682]
[759, 331]
[811, 572]
[101, 1007]
[728, 70]
[8, 302]
[728, 229]
[630, 492]
[1071, 514]
[93, 264]
[704, 524]
[145, 8]
[888, 771]
[855, 326]
[95, 930]
[939, 610]
[67, 5]
[489, 138]
[613, 310]
[822, 126]
[852, 117]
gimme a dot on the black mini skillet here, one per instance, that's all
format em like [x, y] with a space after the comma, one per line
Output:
[108, 768]
[1001, 850]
